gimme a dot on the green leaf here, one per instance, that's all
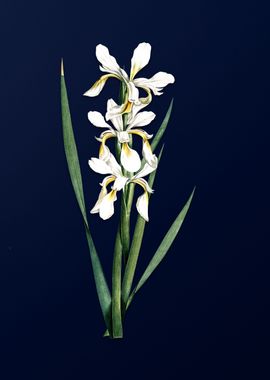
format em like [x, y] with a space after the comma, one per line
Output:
[135, 248]
[162, 127]
[164, 246]
[103, 292]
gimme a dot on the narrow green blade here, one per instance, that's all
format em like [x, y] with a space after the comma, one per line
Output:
[135, 248]
[103, 292]
[162, 127]
[164, 246]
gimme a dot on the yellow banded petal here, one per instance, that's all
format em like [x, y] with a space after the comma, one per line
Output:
[99, 84]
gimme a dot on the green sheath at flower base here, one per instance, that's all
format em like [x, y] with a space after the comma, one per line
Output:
[75, 176]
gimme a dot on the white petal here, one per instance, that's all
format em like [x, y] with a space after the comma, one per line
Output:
[102, 194]
[130, 159]
[140, 59]
[116, 120]
[156, 83]
[99, 166]
[97, 119]
[114, 166]
[98, 85]
[150, 158]
[133, 92]
[108, 62]
[106, 207]
[142, 119]
[142, 206]
[119, 183]
[104, 152]
[147, 169]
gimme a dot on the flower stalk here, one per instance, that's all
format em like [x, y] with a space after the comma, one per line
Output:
[123, 170]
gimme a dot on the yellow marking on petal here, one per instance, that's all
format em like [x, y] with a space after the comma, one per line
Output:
[109, 180]
[141, 183]
[111, 195]
[139, 133]
[105, 137]
[128, 107]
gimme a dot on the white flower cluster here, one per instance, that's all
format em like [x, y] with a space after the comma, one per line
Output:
[121, 122]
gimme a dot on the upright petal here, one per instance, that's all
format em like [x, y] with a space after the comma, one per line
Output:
[140, 59]
[117, 120]
[97, 119]
[141, 119]
[108, 62]
[156, 83]
[97, 87]
[130, 159]
[142, 206]
[106, 207]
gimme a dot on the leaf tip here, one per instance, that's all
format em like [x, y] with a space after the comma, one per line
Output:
[62, 68]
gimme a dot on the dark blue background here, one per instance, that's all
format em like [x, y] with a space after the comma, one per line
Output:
[205, 312]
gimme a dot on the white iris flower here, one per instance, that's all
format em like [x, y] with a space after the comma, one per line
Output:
[140, 59]
[105, 203]
[130, 159]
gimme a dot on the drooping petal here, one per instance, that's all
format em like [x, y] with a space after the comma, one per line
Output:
[147, 169]
[130, 159]
[143, 183]
[102, 194]
[97, 87]
[156, 83]
[117, 120]
[142, 206]
[106, 207]
[133, 93]
[140, 59]
[108, 62]
[97, 119]
[147, 153]
[99, 166]
[141, 119]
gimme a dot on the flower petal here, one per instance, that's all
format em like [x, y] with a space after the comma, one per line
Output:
[102, 194]
[147, 153]
[130, 159]
[108, 62]
[133, 93]
[142, 119]
[156, 83]
[97, 119]
[99, 166]
[106, 207]
[142, 206]
[117, 120]
[98, 85]
[140, 59]
[147, 169]
[119, 183]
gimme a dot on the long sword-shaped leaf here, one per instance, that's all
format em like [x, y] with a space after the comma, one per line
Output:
[135, 248]
[162, 127]
[164, 246]
[103, 292]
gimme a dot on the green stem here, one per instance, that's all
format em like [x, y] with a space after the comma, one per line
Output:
[117, 329]
[132, 259]
[125, 227]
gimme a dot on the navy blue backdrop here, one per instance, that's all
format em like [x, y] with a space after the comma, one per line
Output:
[205, 312]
